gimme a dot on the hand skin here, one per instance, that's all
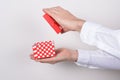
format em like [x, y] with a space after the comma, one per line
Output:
[66, 20]
[63, 54]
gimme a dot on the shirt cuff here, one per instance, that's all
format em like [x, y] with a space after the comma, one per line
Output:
[83, 58]
[88, 32]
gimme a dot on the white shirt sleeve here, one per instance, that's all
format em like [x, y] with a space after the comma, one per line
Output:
[97, 59]
[105, 39]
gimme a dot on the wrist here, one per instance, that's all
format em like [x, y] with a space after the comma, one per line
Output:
[80, 23]
[74, 55]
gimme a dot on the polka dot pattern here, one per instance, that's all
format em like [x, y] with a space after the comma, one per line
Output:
[44, 49]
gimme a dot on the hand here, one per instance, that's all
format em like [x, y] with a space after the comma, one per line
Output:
[63, 54]
[66, 20]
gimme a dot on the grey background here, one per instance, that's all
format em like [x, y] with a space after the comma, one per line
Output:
[22, 24]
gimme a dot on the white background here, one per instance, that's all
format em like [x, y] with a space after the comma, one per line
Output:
[22, 24]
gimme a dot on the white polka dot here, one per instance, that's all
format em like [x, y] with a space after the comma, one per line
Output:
[51, 51]
[47, 55]
[52, 55]
[52, 44]
[38, 52]
[48, 48]
[35, 51]
[41, 44]
[43, 56]
[38, 44]
[48, 45]
[34, 47]
[35, 55]
[38, 56]
[37, 48]
[46, 51]
[41, 47]
[53, 48]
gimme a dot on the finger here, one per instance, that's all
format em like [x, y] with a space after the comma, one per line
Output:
[57, 9]
[58, 50]
[50, 11]
[31, 56]
[53, 10]
[53, 63]
[62, 30]
[60, 8]
[47, 60]
[46, 10]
